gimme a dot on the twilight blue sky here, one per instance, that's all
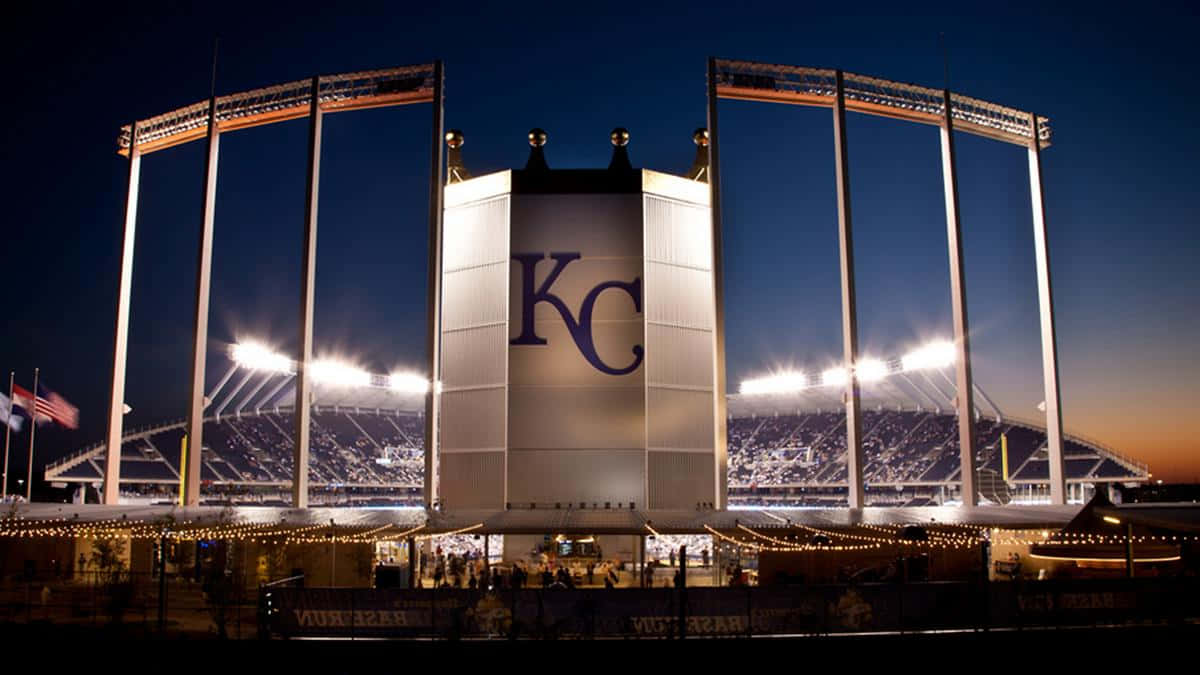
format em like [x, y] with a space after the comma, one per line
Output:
[1120, 181]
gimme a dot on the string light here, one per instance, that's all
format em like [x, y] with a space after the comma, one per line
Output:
[451, 533]
[943, 536]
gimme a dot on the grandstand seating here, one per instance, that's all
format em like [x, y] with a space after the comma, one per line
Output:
[785, 459]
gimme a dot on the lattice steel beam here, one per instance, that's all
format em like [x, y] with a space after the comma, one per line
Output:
[751, 81]
[281, 102]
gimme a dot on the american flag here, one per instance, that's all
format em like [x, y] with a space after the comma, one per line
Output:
[47, 405]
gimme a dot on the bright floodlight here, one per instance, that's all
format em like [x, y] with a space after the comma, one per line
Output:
[339, 374]
[775, 384]
[933, 355]
[409, 383]
[833, 376]
[257, 357]
[870, 370]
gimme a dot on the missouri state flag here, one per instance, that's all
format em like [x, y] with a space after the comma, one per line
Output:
[10, 415]
[47, 405]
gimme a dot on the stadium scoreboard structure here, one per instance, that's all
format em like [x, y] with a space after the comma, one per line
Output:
[577, 342]
[575, 332]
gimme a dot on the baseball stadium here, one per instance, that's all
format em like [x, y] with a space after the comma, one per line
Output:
[572, 461]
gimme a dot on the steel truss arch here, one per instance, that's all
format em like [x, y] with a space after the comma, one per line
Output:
[281, 102]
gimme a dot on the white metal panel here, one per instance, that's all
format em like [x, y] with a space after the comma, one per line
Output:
[678, 233]
[548, 476]
[473, 419]
[476, 234]
[474, 297]
[472, 413]
[473, 480]
[478, 188]
[679, 419]
[679, 311]
[675, 187]
[680, 480]
[474, 357]
[678, 356]
[569, 417]
[678, 296]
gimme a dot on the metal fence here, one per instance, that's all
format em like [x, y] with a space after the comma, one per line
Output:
[181, 605]
[722, 612]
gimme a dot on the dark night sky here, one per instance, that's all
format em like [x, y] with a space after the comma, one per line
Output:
[1120, 183]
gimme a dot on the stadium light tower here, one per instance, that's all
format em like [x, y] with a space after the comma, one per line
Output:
[1041, 248]
[823, 87]
[290, 100]
[116, 401]
[964, 402]
[308, 278]
[433, 290]
[721, 431]
[408, 383]
[854, 454]
[195, 416]
[256, 356]
[933, 356]
[871, 370]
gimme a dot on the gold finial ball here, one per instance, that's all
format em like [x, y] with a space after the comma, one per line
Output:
[455, 139]
[620, 137]
[537, 137]
[700, 137]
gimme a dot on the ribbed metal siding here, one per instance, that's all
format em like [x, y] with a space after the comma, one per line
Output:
[680, 480]
[475, 296]
[473, 423]
[611, 476]
[476, 234]
[473, 419]
[679, 296]
[480, 356]
[680, 419]
[679, 313]
[677, 363]
[678, 233]
[469, 480]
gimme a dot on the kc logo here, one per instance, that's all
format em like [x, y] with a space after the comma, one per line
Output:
[581, 330]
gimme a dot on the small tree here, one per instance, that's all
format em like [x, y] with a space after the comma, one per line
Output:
[219, 589]
[108, 559]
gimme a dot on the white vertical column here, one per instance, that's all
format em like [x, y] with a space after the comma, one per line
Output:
[308, 275]
[116, 400]
[195, 422]
[1041, 248]
[720, 440]
[854, 457]
[964, 401]
[433, 334]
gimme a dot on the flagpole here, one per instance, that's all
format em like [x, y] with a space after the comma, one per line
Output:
[32, 432]
[12, 375]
